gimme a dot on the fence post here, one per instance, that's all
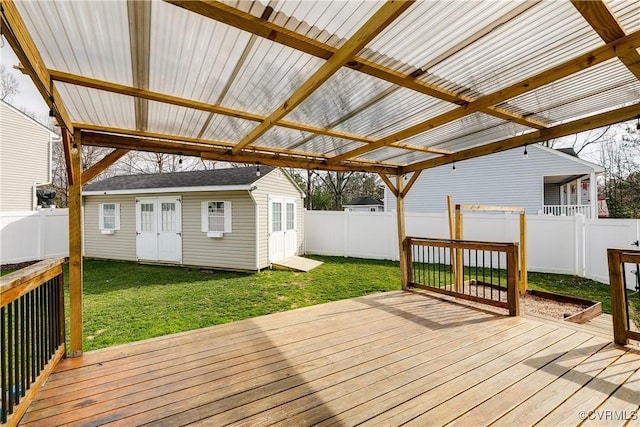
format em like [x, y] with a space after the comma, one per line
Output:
[513, 297]
[618, 297]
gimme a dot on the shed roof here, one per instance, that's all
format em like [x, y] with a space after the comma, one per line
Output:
[345, 85]
[364, 201]
[241, 176]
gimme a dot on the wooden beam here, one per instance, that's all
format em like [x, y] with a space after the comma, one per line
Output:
[121, 89]
[618, 300]
[604, 22]
[619, 47]
[67, 145]
[75, 251]
[384, 16]
[245, 21]
[390, 185]
[569, 128]
[16, 33]
[103, 164]
[412, 181]
[139, 17]
[215, 153]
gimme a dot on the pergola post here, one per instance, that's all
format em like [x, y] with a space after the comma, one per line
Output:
[404, 271]
[75, 249]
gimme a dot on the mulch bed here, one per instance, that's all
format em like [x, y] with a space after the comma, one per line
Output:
[17, 266]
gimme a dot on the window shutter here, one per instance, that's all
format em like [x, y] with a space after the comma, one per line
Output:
[204, 214]
[117, 227]
[101, 216]
[227, 217]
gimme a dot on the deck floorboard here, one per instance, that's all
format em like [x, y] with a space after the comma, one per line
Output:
[385, 359]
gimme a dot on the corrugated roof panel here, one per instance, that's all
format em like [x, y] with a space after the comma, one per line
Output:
[408, 157]
[322, 144]
[231, 129]
[482, 137]
[279, 137]
[399, 110]
[97, 107]
[342, 95]
[270, 75]
[175, 120]
[599, 78]
[192, 56]
[404, 40]
[510, 53]
[88, 38]
[386, 153]
[627, 12]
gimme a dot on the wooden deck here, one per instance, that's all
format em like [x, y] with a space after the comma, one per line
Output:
[385, 359]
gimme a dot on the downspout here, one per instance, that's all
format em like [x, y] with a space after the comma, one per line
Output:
[34, 197]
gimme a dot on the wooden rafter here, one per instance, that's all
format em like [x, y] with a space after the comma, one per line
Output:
[139, 16]
[384, 16]
[569, 128]
[603, 21]
[412, 181]
[222, 154]
[103, 164]
[16, 33]
[615, 48]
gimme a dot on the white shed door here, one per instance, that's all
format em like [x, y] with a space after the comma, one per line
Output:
[159, 229]
[282, 228]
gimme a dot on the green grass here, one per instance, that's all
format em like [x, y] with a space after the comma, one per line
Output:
[125, 302]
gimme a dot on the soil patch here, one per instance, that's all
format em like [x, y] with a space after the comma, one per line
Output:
[16, 266]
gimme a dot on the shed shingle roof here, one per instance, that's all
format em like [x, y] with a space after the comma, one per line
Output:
[204, 178]
[364, 201]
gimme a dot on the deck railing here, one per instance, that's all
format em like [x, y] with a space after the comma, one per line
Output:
[568, 210]
[483, 272]
[32, 333]
[621, 261]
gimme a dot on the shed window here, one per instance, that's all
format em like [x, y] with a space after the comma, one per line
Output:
[216, 217]
[109, 217]
[291, 207]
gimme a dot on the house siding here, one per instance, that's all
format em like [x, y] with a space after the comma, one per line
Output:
[275, 183]
[24, 159]
[504, 179]
[552, 194]
[234, 251]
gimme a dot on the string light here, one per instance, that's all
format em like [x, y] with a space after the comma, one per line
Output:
[74, 148]
[453, 168]
[258, 169]
[526, 153]
[638, 124]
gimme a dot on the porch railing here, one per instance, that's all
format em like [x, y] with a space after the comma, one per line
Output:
[568, 210]
[483, 272]
[32, 333]
[620, 262]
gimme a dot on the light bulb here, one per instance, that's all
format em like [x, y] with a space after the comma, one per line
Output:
[258, 170]
[74, 149]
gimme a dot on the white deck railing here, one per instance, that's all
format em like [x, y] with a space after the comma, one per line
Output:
[568, 210]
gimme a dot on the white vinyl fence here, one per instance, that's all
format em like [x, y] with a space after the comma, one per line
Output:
[33, 235]
[566, 245]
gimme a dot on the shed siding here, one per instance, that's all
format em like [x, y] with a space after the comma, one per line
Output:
[122, 244]
[504, 179]
[235, 251]
[276, 184]
[24, 159]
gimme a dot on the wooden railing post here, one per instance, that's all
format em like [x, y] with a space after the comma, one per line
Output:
[404, 277]
[513, 298]
[458, 260]
[618, 297]
[409, 253]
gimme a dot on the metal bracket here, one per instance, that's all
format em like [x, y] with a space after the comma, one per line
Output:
[77, 353]
[636, 243]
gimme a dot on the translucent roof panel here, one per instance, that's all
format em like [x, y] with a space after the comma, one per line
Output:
[627, 12]
[599, 78]
[99, 108]
[270, 75]
[399, 110]
[342, 95]
[327, 145]
[482, 137]
[175, 120]
[390, 154]
[87, 38]
[404, 39]
[328, 21]
[455, 133]
[231, 129]
[510, 53]
[279, 137]
[196, 62]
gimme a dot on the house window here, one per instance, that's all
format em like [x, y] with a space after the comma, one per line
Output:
[372, 210]
[109, 217]
[291, 207]
[216, 218]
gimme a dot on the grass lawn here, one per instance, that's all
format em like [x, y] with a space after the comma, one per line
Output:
[125, 302]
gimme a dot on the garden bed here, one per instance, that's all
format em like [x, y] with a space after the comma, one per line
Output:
[571, 309]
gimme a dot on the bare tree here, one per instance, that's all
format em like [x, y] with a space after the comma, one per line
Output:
[9, 86]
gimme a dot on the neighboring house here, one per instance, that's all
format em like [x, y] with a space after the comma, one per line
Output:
[546, 182]
[364, 204]
[25, 158]
[223, 218]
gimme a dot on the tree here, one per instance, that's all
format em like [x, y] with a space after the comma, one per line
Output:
[9, 86]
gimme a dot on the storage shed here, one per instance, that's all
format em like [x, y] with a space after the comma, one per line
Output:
[238, 218]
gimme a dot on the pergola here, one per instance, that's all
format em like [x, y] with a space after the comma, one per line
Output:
[385, 87]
